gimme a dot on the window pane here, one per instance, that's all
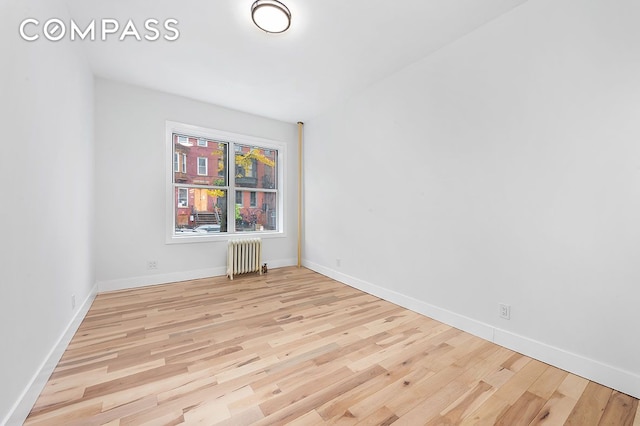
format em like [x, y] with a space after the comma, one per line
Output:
[261, 218]
[197, 164]
[204, 211]
[256, 167]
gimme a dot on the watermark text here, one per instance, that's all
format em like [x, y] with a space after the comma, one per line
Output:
[54, 29]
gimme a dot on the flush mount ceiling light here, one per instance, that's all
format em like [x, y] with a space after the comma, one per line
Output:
[271, 16]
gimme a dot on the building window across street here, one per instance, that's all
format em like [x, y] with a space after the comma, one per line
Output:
[183, 197]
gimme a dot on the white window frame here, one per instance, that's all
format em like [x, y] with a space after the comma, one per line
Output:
[202, 142]
[176, 162]
[184, 163]
[232, 139]
[206, 166]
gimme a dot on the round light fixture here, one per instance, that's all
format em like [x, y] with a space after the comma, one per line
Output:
[271, 16]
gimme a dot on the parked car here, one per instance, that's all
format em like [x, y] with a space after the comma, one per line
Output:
[207, 228]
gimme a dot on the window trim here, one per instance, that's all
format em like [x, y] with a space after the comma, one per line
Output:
[172, 127]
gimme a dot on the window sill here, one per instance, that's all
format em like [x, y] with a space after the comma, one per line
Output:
[217, 237]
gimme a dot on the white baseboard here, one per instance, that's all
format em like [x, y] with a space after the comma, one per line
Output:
[599, 372]
[607, 375]
[280, 263]
[147, 280]
[24, 404]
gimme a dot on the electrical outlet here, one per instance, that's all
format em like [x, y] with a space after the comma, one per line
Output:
[505, 311]
[152, 264]
[73, 301]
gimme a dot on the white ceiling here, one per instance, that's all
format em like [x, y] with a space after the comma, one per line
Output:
[333, 49]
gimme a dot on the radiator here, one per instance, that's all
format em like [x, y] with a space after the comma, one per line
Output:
[244, 256]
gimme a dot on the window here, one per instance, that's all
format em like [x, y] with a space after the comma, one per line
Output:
[202, 166]
[248, 170]
[242, 166]
[183, 197]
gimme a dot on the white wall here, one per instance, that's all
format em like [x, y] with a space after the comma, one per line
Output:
[131, 192]
[46, 169]
[505, 168]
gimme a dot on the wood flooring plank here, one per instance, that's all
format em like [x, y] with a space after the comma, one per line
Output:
[305, 389]
[465, 404]
[513, 389]
[153, 418]
[395, 392]
[380, 417]
[211, 410]
[248, 416]
[133, 380]
[430, 407]
[341, 409]
[555, 411]
[620, 410]
[505, 396]
[65, 413]
[590, 406]
[522, 412]
[487, 413]
[573, 386]
[548, 382]
[298, 405]
[311, 418]
[422, 389]
[114, 414]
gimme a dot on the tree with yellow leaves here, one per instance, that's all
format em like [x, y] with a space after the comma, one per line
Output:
[246, 160]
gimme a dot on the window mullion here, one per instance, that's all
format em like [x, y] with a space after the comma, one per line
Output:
[231, 181]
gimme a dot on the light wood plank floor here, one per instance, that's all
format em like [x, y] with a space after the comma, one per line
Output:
[296, 347]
